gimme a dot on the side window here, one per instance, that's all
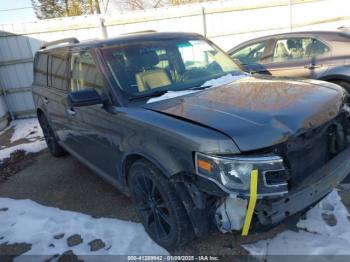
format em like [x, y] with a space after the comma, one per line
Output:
[297, 48]
[250, 54]
[316, 48]
[40, 70]
[59, 71]
[84, 73]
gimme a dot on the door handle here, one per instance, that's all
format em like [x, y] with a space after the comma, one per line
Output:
[311, 66]
[46, 100]
[71, 111]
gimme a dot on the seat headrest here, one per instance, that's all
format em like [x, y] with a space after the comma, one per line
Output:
[293, 44]
[149, 59]
[118, 61]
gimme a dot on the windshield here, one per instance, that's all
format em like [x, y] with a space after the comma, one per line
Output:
[152, 67]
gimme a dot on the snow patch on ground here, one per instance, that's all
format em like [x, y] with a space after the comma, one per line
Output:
[315, 237]
[28, 129]
[25, 221]
[226, 79]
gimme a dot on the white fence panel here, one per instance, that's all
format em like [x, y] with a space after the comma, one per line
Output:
[3, 113]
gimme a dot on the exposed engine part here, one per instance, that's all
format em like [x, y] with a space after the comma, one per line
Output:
[346, 108]
[336, 139]
[230, 214]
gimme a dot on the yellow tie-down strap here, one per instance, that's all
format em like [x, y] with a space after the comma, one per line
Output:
[252, 201]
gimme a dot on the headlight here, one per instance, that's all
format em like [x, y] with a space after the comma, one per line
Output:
[233, 173]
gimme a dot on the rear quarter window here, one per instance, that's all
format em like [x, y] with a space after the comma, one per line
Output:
[59, 70]
[40, 69]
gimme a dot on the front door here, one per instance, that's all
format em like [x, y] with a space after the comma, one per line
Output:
[94, 128]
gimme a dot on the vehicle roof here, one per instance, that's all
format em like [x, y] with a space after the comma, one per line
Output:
[323, 35]
[123, 39]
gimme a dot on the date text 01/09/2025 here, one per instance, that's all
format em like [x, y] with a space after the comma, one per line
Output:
[173, 258]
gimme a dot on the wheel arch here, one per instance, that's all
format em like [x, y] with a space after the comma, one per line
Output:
[39, 112]
[134, 156]
[201, 227]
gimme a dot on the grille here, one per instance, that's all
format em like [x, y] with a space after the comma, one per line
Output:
[311, 150]
[303, 163]
[276, 177]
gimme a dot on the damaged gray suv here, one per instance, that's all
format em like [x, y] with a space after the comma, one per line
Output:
[171, 120]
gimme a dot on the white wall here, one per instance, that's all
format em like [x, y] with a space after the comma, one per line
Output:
[3, 113]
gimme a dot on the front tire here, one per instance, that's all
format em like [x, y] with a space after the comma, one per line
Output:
[51, 140]
[158, 206]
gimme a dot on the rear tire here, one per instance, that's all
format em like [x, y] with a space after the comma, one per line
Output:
[158, 206]
[51, 139]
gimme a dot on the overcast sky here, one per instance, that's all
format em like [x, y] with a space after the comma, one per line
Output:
[22, 10]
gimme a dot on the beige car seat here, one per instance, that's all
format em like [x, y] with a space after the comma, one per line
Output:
[151, 77]
[281, 51]
[296, 49]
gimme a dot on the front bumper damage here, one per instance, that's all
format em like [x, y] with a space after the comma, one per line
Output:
[270, 210]
[313, 189]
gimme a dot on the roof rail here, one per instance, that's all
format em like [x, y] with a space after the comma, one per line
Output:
[70, 40]
[140, 32]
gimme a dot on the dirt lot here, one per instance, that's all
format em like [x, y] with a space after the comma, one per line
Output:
[66, 184]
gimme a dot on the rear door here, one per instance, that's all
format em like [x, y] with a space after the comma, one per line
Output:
[303, 57]
[56, 96]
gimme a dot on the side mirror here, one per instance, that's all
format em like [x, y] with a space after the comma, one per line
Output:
[87, 97]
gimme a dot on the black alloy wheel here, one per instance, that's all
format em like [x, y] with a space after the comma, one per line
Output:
[152, 206]
[158, 206]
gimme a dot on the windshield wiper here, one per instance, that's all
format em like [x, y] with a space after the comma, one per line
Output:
[153, 94]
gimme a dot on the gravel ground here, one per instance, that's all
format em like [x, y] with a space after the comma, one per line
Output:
[67, 184]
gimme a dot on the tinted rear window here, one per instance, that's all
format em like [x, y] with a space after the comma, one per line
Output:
[59, 68]
[40, 69]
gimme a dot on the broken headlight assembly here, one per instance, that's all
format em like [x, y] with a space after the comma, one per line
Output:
[232, 174]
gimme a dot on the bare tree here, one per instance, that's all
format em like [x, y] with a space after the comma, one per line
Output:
[57, 8]
[49, 8]
[125, 5]
[45, 9]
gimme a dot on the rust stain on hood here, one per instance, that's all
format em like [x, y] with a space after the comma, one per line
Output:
[258, 113]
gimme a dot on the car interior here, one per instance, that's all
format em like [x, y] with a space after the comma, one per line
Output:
[141, 68]
[151, 76]
[298, 48]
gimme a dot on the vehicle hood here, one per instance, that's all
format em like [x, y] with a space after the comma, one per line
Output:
[258, 113]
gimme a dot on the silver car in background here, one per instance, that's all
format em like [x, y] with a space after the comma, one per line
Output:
[323, 55]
